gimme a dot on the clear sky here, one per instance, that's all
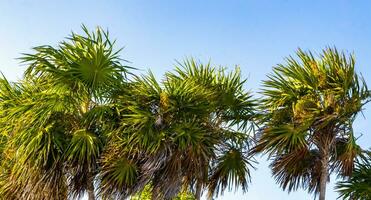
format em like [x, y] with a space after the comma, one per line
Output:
[253, 34]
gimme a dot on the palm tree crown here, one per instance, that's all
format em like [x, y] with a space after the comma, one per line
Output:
[53, 120]
[181, 134]
[308, 110]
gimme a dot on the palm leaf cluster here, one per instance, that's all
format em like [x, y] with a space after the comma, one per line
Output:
[77, 124]
[358, 186]
[309, 107]
[181, 133]
[53, 121]
[146, 194]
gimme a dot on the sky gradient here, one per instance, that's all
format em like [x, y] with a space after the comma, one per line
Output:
[255, 35]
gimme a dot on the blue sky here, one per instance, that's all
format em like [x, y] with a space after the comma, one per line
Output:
[253, 34]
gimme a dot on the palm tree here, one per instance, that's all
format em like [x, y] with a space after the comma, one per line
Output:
[309, 106]
[55, 121]
[187, 133]
[358, 186]
[76, 124]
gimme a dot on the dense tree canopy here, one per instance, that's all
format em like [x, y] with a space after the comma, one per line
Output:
[53, 121]
[76, 123]
[181, 133]
[81, 122]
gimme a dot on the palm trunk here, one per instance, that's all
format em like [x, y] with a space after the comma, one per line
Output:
[198, 191]
[324, 173]
[91, 194]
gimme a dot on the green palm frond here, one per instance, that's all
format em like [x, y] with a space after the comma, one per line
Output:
[82, 157]
[281, 139]
[231, 169]
[37, 165]
[358, 186]
[117, 177]
[232, 102]
[86, 64]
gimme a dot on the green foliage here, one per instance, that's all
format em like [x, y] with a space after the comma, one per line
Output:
[358, 186]
[83, 64]
[309, 107]
[180, 133]
[77, 124]
[146, 194]
[53, 120]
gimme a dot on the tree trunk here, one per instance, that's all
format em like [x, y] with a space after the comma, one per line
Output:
[324, 173]
[91, 194]
[198, 191]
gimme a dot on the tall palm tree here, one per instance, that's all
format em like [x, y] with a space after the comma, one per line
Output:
[54, 121]
[309, 107]
[358, 186]
[185, 133]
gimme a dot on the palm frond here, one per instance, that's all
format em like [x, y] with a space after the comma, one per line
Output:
[358, 186]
